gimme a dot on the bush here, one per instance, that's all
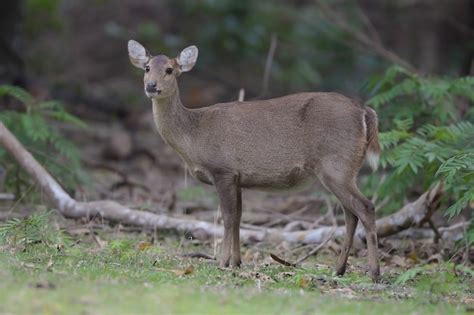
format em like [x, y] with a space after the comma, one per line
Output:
[34, 130]
[425, 137]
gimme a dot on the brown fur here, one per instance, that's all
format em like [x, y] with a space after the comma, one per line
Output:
[277, 144]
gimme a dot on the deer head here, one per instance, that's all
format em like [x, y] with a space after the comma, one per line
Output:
[161, 71]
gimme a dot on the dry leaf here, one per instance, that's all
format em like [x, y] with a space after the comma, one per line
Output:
[100, 242]
[255, 275]
[43, 285]
[143, 245]
[436, 258]
[401, 261]
[413, 256]
[79, 231]
[187, 271]
[49, 266]
[286, 274]
[304, 282]
[28, 265]
[179, 272]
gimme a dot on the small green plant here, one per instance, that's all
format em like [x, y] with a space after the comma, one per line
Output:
[437, 282]
[31, 230]
[408, 275]
[32, 127]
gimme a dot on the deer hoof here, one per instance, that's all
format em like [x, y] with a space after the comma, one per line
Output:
[340, 271]
[224, 262]
[375, 275]
[236, 263]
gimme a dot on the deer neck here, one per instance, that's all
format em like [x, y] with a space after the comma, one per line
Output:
[175, 123]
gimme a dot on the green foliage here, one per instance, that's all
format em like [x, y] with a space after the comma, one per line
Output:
[32, 230]
[432, 282]
[408, 275]
[242, 30]
[424, 137]
[34, 130]
[42, 15]
[459, 170]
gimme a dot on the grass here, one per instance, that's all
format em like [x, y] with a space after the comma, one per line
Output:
[128, 275]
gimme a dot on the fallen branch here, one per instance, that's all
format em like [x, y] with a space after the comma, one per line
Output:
[5, 196]
[412, 214]
[453, 232]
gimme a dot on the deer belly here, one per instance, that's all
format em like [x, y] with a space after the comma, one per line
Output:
[295, 179]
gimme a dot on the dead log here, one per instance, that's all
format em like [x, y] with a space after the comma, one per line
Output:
[412, 214]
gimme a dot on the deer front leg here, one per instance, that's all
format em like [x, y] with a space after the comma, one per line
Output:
[229, 195]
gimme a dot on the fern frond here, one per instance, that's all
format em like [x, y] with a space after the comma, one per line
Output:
[407, 86]
[55, 110]
[463, 162]
[460, 204]
[464, 87]
[16, 92]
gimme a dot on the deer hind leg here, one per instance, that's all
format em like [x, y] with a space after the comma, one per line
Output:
[237, 215]
[345, 189]
[229, 196]
[351, 225]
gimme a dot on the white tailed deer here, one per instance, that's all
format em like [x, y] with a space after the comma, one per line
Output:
[275, 144]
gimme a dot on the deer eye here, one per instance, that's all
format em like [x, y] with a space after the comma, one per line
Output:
[147, 69]
[169, 70]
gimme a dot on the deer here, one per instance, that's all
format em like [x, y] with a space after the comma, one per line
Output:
[277, 144]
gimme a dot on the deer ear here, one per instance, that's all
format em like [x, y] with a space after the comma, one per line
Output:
[138, 55]
[187, 58]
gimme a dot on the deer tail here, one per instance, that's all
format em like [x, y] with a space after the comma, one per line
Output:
[372, 154]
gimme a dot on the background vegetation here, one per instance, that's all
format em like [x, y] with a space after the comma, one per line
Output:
[68, 93]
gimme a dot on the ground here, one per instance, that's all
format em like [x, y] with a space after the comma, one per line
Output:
[96, 268]
[110, 271]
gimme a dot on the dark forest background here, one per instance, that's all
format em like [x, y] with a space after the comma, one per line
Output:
[76, 50]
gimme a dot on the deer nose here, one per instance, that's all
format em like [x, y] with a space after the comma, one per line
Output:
[151, 87]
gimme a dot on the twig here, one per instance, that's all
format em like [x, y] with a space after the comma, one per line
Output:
[268, 65]
[370, 26]
[241, 95]
[467, 247]
[199, 255]
[282, 261]
[435, 230]
[317, 248]
[334, 227]
[287, 217]
[374, 44]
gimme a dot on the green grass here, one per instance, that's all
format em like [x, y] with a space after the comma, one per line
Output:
[121, 278]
